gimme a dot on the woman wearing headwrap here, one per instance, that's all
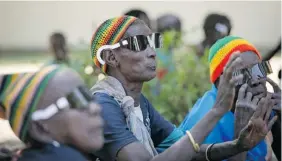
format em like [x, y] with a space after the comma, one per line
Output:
[123, 47]
[53, 113]
[255, 75]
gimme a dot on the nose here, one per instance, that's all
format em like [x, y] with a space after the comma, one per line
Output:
[151, 52]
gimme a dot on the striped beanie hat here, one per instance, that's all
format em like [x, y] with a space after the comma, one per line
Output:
[7, 79]
[21, 98]
[221, 51]
[108, 33]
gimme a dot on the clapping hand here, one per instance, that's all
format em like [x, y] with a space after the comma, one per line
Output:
[226, 87]
[258, 126]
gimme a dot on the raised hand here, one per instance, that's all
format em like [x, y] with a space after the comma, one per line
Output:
[226, 88]
[245, 107]
[258, 126]
[276, 96]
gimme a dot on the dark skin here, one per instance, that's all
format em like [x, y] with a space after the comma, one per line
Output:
[81, 128]
[132, 69]
[247, 97]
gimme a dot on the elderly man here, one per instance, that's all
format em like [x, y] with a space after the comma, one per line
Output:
[53, 113]
[255, 75]
[123, 47]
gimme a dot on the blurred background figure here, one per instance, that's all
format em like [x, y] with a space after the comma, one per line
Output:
[58, 48]
[216, 26]
[169, 26]
[142, 15]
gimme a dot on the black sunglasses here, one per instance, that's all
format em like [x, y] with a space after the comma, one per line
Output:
[257, 71]
[134, 43]
[80, 97]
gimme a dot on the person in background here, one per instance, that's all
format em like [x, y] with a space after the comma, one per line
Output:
[230, 124]
[58, 48]
[169, 26]
[142, 15]
[53, 113]
[134, 130]
[216, 26]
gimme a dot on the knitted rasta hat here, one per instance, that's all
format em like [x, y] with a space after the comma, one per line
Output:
[221, 51]
[109, 33]
[21, 98]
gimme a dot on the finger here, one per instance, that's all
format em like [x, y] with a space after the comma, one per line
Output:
[271, 122]
[268, 112]
[233, 66]
[258, 111]
[266, 105]
[255, 100]
[276, 88]
[242, 91]
[249, 96]
[233, 56]
[237, 79]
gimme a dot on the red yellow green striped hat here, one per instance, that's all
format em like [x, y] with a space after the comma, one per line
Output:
[108, 33]
[221, 51]
[21, 98]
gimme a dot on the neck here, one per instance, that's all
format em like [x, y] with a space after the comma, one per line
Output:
[132, 89]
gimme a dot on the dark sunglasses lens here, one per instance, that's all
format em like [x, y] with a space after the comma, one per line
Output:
[77, 99]
[137, 43]
[257, 72]
[158, 40]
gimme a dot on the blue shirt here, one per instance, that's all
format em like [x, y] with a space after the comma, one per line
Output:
[117, 134]
[51, 153]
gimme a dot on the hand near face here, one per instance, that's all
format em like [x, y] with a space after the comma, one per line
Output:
[258, 126]
[226, 88]
[245, 107]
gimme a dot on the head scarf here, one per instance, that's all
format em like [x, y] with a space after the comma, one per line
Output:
[108, 33]
[21, 98]
[221, 51]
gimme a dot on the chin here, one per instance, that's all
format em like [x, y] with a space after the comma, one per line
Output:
[147, 79]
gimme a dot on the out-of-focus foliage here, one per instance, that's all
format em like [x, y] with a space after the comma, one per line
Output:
[180, 88]
[84, 66]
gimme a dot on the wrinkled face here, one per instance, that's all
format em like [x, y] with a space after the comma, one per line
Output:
[84, 127]
[137, 66]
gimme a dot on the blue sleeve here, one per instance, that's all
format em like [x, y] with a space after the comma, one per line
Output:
[116, 132]
[160, 127]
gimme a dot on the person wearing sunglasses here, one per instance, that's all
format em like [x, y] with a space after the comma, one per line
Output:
[54, 114]
[124, 48]
[254, 72]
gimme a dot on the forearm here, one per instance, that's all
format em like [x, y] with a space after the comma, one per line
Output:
[183, 149]
[218, 151]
